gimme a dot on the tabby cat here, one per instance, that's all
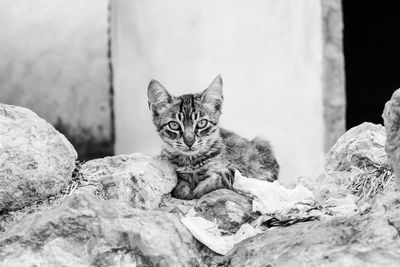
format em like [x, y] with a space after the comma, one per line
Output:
[204, 155]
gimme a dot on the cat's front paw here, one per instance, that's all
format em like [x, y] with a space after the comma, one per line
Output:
[212, 183]
[182, 191]
[227, 178]
[218, 180]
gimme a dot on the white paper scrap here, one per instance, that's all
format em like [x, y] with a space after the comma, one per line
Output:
[345, 206]
[270, 197]
[207, 233]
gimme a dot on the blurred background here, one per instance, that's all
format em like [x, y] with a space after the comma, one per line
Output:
[85, 65]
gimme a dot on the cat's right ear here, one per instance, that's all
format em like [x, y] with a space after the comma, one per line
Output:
[158, 96]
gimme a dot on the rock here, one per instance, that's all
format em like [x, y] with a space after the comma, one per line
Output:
[36, 161]
[359, 162]
[229, 209]
[358, 147]
[327, 187]
[391, 117]
[141, 181]
[177, 206]
[88, 231]
[208, 257]
[345, 206]
[368, 240]
[9, 219]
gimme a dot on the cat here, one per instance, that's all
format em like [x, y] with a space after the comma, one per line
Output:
[204, 155]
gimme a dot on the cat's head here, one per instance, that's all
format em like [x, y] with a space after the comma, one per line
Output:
[188, 124]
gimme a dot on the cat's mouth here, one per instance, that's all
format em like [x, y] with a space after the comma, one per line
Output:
[189, 151]
[183, 149]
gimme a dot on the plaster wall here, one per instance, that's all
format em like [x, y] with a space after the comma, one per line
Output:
[269, 53]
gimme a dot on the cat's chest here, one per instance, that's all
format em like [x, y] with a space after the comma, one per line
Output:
[197, 169]
[192, 168]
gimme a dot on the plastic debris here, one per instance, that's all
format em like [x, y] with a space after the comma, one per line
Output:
[208, 233]
[271, 197]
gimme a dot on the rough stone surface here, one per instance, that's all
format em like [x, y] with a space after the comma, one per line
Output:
[9, 219]
[391, 116]
[229, 209]
[177, 206]
[36, 161]
[359, 148]
[368, 240]
[139, 180]
[88, 231]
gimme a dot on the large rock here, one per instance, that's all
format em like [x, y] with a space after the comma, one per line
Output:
[358, 147]
[36, 161]
[369, 240]
[391, 116]
[141, 181]
[176, 205]
[88, 231]
[359, 162]
[227, 208]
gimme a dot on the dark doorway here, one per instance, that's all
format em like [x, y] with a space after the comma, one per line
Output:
[372, 57]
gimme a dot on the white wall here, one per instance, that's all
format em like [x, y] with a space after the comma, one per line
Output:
[269, 53]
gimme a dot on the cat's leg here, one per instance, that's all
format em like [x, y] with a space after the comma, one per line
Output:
[228, 175]
[182, 190]
[215, 181]
[212, 183]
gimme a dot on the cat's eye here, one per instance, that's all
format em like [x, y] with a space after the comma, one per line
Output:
[173, 125]
[201, 124]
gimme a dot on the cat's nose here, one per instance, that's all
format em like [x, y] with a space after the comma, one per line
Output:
[188, 139]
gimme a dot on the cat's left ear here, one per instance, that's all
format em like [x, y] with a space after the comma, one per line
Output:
[213, 94]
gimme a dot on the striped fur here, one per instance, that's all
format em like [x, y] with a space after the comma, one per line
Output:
[204, 155]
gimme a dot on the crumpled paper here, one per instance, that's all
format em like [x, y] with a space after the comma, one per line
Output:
[208, 233]
[267, 198]
[278, 205]
[271, 197]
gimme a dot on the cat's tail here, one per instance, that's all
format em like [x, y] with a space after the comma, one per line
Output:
[268, 160]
